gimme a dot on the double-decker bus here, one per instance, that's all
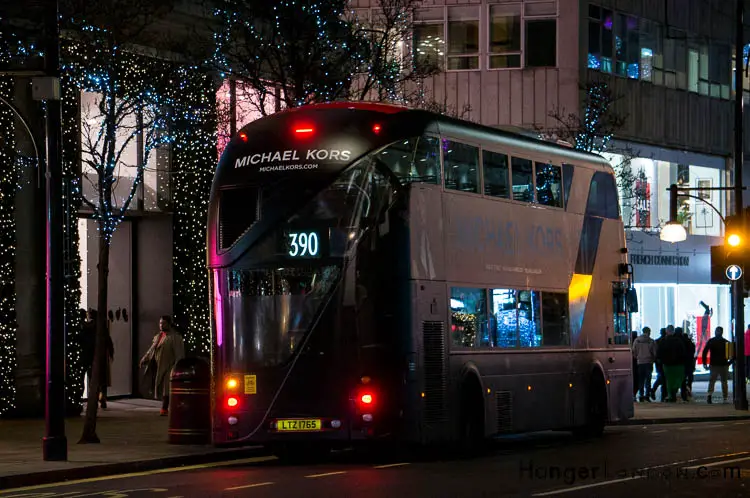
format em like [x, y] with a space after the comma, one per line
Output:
[384, 273]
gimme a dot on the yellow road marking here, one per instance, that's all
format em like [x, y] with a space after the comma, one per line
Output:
[256, 485]
[141, 474]
[391, 465]
[313, 476]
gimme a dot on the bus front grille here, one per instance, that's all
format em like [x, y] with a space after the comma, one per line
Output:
[504, 407]
[433, 341]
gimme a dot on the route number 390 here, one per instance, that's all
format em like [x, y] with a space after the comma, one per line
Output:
[303, 244]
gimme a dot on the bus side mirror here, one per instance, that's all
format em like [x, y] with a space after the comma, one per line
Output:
[631, 300]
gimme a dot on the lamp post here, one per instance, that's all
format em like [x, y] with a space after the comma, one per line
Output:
[54, 443]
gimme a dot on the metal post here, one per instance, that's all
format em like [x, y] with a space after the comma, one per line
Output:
[673, 203]
[740, 394]
[54, 443]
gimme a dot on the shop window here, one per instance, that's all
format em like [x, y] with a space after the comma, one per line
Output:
[505, 36]
[523, 181]
[541, 43]
[549, 185]
[529, 329]
[461, 163]
[463, 38]
[504, 321]
[468, 317]
[555, 325]
[496, 174]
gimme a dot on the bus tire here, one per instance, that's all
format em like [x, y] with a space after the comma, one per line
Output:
[471, 419]
[596, 408]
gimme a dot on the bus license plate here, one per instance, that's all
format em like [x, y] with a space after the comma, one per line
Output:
[298, 425]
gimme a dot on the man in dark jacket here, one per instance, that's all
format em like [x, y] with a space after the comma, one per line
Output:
[659, 369]
[717, 347]
[671, 352]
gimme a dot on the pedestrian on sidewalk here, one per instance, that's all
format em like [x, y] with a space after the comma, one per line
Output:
[686, 388]
[660, 378]
[644, 350]
[166, 349]
[716, 352]
[671, 352]
[747, 354]
[636, 380]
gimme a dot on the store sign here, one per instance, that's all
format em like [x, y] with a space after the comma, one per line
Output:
[649, 260]
[658, 262]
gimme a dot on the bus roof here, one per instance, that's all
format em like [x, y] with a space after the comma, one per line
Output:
[445, 123]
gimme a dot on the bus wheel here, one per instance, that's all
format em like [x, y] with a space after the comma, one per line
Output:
[471, 435]
[300, 452]
[596, 409]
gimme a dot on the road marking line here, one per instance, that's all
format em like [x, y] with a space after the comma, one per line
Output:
[225, 463]
[713, 464]
[741, 423]
[659, 432]
[645, 470]
[314, 476]
[586, 486]
[256, 485]
[390, 465]
[685, 428]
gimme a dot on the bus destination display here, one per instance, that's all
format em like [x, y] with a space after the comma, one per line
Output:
[302, 244]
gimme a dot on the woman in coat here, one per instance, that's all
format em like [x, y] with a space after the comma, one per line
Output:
[166, 350]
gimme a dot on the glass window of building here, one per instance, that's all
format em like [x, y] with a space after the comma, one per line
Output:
[719, 70]
[463, 38]
[549, 185]
[505, 36]
[647, 46]
[555, 325]
[541, 43]
[601, 39]
[504, 320]
[428, 42]
[626, 46]
[468, 317]
[496, 174]
[523, 179]
[461, 166]
[529, 319]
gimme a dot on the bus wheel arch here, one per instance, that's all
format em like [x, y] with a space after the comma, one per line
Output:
[472, 409]
[596, 404]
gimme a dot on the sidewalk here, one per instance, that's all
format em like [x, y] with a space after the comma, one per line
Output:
[696, 410]
[133, 438]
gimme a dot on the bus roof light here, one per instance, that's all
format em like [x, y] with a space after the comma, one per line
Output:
[243, 136]
[376, 128]
[303, 130]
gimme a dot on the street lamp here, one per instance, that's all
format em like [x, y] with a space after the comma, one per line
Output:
[673, 231]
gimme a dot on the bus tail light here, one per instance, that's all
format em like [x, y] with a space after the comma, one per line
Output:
[367, 399]
[232, 402]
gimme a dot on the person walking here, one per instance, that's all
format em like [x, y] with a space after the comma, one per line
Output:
[644, 351]
[716, 347]
[660, 379]
[166, 350]
[671, 352]
[636, 380]
[687, 382]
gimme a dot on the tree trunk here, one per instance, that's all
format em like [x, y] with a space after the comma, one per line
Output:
[99, 368]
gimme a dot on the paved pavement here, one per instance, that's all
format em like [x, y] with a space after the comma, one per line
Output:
[679, 460]
[133, 436]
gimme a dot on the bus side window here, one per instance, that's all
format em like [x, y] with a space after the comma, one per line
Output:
[496, 172]
[468, 317]
[427, 160]
[522, 173]
[568, 171]
[549, 185]
[461, 166]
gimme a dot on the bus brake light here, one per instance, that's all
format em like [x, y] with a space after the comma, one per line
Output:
[367, 399]
[232, 402]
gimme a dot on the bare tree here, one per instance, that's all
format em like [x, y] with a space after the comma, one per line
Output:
[122, 114]
[592, 130]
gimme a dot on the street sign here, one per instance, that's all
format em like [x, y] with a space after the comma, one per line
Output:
[734, 272]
